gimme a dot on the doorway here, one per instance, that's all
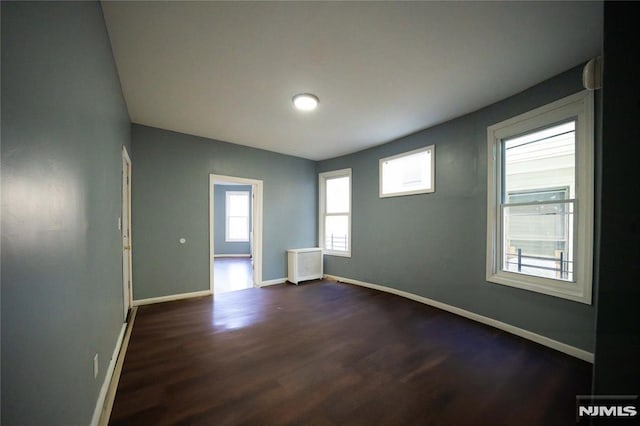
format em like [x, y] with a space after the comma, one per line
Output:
[125, 228]
[235, 233]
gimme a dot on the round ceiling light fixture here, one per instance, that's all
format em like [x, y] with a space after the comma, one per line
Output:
[305, 101]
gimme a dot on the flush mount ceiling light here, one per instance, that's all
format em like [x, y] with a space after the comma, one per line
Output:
[305, 101]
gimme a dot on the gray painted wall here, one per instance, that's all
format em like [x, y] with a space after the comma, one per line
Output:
[220, 245]
[64, 122]
[434, 245]
[170, 186]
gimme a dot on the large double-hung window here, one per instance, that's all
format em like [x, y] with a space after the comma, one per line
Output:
[540, 199]
[335, 212]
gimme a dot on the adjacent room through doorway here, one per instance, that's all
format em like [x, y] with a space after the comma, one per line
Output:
[232, 273]
[233, 260]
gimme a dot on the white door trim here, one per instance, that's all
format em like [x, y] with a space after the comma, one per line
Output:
[256, 206]
[127, 275]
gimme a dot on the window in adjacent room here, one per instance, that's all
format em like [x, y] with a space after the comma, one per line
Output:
[408, 173]
[335, 212]
[540, 199]
[237, 216]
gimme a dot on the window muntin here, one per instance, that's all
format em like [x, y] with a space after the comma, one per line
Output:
[237, 216]
[335, 212]
[540, 199]
[408, 173]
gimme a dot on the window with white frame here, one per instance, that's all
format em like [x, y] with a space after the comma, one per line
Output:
[335, 212]
[237, 216]
[408, 173]
[540, 199]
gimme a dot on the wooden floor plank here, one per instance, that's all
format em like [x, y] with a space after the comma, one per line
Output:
[333, 354]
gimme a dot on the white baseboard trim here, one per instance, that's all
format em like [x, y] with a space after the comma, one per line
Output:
[534, 337]
[272, 282]
[171, 298]
[107, 378]
[231, 255]
[115, 378]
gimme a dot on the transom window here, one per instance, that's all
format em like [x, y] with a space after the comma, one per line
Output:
[335, 212]
[540, 199]
[408, 173]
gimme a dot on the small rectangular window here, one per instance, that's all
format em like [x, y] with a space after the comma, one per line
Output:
[540, 199]
[335, 212]
[408, 173]
[237, 216]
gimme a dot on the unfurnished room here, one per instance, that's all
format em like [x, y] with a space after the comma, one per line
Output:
[319, 213]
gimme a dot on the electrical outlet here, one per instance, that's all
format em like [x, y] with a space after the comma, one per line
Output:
[95, 366]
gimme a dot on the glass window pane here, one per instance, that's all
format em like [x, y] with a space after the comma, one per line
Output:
[540, 161]
[541, 195]
[337, 199]
[238, 228]
[538, 240]
[408, 173]
[238, 205]
[336, 231]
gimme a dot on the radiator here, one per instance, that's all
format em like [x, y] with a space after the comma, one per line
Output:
[304, 264]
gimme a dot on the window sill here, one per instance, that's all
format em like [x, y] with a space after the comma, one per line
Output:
[574, 291]
[405, 193]
[336, 253]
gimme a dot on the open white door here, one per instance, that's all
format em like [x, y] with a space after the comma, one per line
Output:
[125, 227]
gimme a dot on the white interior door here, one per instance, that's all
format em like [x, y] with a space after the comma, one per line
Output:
[126, 231]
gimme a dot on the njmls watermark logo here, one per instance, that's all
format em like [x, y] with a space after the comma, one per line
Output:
[619, 407]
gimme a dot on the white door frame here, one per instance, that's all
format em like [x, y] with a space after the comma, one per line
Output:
[256, 213]
[125, 229]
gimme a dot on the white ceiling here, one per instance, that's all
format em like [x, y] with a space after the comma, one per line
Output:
[228, 70]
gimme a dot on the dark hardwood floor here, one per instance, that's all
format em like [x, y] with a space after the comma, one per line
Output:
[334, 354]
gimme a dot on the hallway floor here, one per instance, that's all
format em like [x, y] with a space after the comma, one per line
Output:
[231, 274]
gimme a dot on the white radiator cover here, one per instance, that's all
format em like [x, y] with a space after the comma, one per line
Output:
[304, 264]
